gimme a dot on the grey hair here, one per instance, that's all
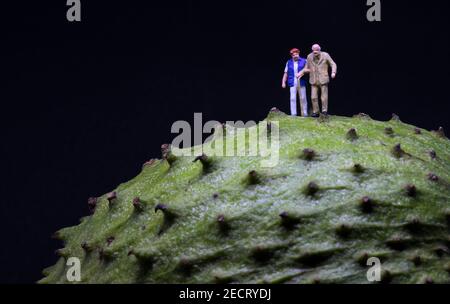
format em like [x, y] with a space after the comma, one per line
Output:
[316, 46]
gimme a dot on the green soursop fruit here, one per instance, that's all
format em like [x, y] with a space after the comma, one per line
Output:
[344, 190]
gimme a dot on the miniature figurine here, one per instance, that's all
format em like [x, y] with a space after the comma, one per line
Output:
[317, 66]
[293, 72]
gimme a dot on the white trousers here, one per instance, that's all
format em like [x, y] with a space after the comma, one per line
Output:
[303, 100]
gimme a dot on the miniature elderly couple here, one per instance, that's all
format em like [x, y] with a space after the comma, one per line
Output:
[317, 65]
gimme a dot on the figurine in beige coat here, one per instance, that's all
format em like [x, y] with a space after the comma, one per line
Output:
[318, 64]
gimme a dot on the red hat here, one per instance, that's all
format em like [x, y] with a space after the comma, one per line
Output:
[294, 51]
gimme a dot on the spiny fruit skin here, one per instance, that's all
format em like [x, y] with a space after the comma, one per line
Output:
[344, 190]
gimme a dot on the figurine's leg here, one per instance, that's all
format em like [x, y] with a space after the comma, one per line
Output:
[315, 99]
[293, 101]
[324, 97]
[303, 101]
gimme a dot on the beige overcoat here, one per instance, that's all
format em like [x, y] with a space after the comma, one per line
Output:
[318, 71]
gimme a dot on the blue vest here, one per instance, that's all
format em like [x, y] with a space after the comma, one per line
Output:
[291, 73]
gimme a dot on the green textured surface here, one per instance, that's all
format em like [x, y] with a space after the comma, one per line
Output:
[219, 226]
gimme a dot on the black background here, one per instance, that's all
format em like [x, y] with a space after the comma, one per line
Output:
[84, 105]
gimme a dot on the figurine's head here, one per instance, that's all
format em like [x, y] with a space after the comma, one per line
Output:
[295, 54]
[316, 49]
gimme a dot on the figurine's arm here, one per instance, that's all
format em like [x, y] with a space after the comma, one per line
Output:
[283, 82]
[303, 71]
[285, 77]
[307, 67]
[300, 74]
[333, 67]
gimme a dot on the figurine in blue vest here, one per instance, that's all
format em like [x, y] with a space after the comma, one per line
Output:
[293, 74]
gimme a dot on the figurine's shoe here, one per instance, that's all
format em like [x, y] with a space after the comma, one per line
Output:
[315, 115]
[325, 113]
